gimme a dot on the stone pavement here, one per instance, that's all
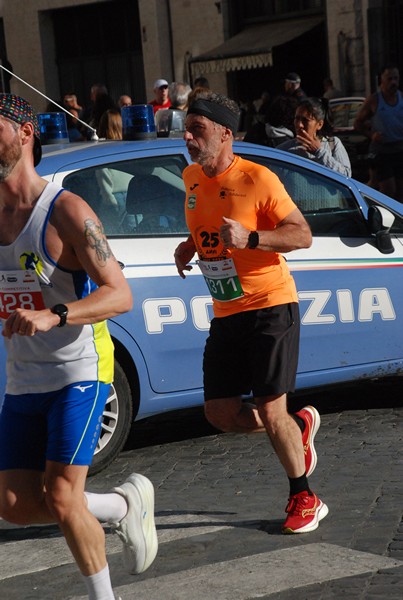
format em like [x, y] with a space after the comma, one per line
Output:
[220, 502]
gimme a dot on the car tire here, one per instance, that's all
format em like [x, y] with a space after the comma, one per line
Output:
[116, 422]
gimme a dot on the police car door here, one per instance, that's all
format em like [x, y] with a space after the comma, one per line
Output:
[350, 293]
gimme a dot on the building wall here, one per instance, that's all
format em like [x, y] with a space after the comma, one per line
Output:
[348, 45]
[30, 46]
[172, 32]
[175, 30]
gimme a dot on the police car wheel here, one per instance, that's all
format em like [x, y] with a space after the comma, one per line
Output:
[116, 422]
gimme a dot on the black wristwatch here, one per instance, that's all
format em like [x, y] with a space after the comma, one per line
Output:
[61, 311]
[253, 240]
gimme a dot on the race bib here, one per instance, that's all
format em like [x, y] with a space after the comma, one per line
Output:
[222, 279]
[19, 289]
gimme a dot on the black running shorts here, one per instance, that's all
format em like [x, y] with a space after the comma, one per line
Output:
[254, 351]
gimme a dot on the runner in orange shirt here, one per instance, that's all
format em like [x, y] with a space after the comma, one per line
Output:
[241, 220]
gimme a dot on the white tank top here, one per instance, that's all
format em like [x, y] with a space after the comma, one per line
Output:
[64, 355]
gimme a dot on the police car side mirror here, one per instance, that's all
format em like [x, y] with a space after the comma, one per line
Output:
[380, 220]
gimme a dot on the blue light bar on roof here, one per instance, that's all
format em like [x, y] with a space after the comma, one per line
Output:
[53, 128]
[138, 122]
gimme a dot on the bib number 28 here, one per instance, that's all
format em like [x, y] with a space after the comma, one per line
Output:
[19, 289]
[9, 302]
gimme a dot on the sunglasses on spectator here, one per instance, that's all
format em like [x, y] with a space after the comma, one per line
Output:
[163, 87]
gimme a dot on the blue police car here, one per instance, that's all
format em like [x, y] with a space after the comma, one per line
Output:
[350, 282]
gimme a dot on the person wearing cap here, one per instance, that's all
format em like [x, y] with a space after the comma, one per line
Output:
[292, 86]
[241, 221]
[161, 93]
[59, 360]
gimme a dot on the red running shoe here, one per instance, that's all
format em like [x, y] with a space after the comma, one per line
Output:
[311, 418]
[304, 513]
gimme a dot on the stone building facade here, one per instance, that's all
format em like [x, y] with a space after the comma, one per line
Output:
[58, 46]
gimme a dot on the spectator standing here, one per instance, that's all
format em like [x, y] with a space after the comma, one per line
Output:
[255, 118]
[262, 105]
[75, 111]
[71, 103]
[96, 90]
[277, 125]
[73, 131]
[241, 221]
[247, 116]
[329, 90]
[201, 82]
[197, 92]
[178, 94]
[110, 125]
[161, 93]
[102, 103]
[314, 138]
[60, 362]
[124, 100]
[292, 86]
[280, 125]
[381, 119]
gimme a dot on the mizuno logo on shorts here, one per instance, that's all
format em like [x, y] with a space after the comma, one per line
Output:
[82, 388]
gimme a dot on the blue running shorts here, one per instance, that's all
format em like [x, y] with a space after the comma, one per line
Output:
[62, 426]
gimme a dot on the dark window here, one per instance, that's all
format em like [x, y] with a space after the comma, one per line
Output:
[329, 207]
[143, 197]
[100, 43]
[252, 11]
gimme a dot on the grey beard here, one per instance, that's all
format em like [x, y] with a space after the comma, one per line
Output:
[5, 171]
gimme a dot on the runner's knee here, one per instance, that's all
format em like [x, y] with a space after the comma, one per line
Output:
[220, 418]
[18, 512]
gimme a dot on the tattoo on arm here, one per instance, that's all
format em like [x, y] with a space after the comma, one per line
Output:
[96, 239]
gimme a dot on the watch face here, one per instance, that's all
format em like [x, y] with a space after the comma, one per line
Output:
[253, 240]
[61, 310]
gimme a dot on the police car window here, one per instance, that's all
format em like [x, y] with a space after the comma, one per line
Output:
[329, 207]
[141, 197]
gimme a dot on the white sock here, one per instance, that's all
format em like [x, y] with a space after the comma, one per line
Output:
[107, 508]
[99, 586]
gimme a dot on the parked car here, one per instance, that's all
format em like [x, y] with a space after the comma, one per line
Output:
[344, 112]
[349, 283]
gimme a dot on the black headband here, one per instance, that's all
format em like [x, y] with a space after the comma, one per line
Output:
[215, 112]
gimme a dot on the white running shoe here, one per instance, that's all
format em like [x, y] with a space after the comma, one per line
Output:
[137, 529]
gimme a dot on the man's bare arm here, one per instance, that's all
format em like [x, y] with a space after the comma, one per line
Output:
[85, 245]
[292, 233]
[362, 121]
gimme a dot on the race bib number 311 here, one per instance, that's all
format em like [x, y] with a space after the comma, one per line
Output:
[19, 289]
[222, 279]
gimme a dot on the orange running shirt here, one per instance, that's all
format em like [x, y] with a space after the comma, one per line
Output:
[255, 197]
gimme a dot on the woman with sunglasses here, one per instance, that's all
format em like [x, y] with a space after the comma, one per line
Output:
[314, 139]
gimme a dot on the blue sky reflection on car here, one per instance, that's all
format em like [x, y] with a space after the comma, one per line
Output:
[349, 282]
